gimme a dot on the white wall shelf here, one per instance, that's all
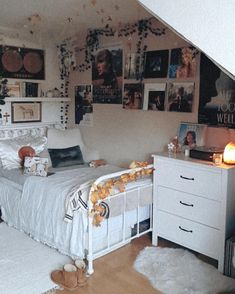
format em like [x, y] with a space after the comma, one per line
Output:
[37, 99]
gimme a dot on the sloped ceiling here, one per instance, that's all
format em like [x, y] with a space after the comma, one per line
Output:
[209, 25]
[58, 19]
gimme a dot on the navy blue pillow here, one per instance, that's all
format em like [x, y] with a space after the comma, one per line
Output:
[66, 156]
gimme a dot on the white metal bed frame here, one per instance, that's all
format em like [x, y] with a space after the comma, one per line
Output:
[15, 131]
[125, 240]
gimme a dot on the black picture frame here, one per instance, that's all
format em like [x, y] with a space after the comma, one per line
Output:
[25, 112]
[156, 64]
[22, 63]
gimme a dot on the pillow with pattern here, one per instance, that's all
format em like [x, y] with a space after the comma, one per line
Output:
[36, 166]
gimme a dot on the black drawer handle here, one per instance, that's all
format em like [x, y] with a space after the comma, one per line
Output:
[182, 229]
[185, 178]
[186, 204]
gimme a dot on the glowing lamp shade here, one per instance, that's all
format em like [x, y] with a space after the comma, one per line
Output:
[229, 153]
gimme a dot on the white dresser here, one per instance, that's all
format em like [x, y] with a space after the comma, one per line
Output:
[194, 204]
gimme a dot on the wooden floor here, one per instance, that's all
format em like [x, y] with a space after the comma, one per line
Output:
[114, 273]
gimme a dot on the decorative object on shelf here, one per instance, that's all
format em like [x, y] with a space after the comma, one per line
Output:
[229, 153]
[174, 146]
[22, 112]
[6, 117]
[49, 93]
[217, 158]
[3, 91]
[21, 63]
[56, 92]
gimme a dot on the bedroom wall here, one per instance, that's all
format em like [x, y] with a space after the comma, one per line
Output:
[50, 111]
[123, 135]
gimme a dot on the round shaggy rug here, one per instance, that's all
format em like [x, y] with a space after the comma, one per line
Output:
[178, 271]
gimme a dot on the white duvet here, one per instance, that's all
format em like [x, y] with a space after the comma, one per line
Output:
[42, 209]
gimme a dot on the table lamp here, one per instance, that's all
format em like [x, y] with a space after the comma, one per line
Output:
[229, 153]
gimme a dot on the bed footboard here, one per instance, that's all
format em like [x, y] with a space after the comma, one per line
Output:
[129, 214]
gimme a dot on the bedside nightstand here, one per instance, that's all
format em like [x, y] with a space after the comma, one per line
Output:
[194, 204]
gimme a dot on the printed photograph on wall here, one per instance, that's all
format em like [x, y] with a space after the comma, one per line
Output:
[180, 97]
[133, 96]
[83, 105]
[216, 96]
[107, 76]
[191, 135]
[154, 96]
[22, 112]
[183, 63]
[133, 66]
[156, 64]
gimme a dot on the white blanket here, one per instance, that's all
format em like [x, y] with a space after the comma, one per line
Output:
[42, 209]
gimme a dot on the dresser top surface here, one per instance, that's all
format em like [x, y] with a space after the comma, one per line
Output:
[186, 159]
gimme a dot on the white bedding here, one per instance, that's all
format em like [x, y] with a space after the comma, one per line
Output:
[40, 209]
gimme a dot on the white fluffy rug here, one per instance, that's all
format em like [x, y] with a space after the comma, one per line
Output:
[25, 265]
[177, 271]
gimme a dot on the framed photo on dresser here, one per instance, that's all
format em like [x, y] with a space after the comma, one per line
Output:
[192, 133]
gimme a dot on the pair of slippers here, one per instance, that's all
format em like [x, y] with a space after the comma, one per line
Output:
[71, 276]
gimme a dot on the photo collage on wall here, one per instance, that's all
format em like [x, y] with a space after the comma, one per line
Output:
[173, 66]
[175, 70]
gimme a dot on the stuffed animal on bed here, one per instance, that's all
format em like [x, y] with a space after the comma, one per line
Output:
[98, 162]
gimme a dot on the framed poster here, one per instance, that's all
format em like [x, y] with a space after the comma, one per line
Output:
[107, 76]
[156, 64]
[133, 96]
[191, 135]
[22, 63]
[183, 63]
[216, 96]
[180, 97]
[83, 105]
[22, 112]
[154, 96]
[133, 66]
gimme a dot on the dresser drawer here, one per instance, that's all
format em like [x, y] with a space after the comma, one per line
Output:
[190, 179]
[189, 206]
[189, 234]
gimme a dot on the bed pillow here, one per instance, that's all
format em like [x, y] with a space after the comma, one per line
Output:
[69, 138]
[9, 149]
[66, 156]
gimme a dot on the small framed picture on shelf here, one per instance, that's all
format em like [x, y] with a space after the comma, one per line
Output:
[13, 90]
[22, 112]
[191, 135]
[156, 64]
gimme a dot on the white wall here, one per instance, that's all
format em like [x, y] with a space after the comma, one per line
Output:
[123, 135]
[209, 25]
[50, 111]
